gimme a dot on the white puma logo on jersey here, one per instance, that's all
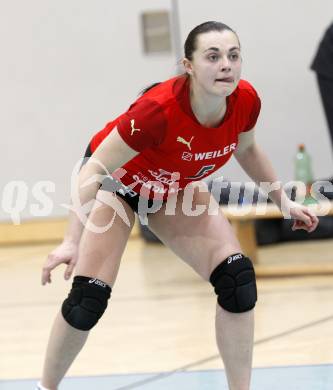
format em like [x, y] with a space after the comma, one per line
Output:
[133, 128]
[183, 141]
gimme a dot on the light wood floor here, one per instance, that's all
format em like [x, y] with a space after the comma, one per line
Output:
[161, 315]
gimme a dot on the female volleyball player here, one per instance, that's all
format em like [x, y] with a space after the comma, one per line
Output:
[175, 134]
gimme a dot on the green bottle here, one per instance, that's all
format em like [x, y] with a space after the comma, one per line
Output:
[303, 171]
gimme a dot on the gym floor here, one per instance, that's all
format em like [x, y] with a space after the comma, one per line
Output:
[158, 331]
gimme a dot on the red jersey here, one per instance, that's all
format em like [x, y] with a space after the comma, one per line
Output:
[175, 149]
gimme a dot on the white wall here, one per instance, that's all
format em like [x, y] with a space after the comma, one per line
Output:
[68, 67]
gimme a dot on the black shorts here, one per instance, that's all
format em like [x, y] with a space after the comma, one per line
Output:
[132, 198]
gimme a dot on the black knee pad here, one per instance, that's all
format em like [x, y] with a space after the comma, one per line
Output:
[235, 284]
[86, 302]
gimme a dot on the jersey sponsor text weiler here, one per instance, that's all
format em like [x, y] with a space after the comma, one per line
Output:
[215, 153]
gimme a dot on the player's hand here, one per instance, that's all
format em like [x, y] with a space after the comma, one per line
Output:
[67, 253]
[304, 218]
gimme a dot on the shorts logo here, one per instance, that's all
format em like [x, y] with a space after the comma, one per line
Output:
[187, 156]
[183, 141]
[234, 258]
[133, 128]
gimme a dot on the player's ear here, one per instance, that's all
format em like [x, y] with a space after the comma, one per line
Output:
[188, 66]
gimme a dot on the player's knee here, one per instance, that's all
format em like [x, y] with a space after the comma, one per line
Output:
[86, 302]
[234, 282]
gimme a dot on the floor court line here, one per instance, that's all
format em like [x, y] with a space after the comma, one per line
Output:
[217, 356]
[259, 342]
[307, 377]
[317, 375]
[166, 297]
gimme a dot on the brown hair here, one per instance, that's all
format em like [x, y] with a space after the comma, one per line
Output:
[191, 40]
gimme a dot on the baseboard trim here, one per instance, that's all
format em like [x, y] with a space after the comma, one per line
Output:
[39, 231]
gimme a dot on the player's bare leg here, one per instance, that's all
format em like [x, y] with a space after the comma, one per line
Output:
[99, 257]
[204, 242]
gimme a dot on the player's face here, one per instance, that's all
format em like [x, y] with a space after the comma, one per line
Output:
[216, 62]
